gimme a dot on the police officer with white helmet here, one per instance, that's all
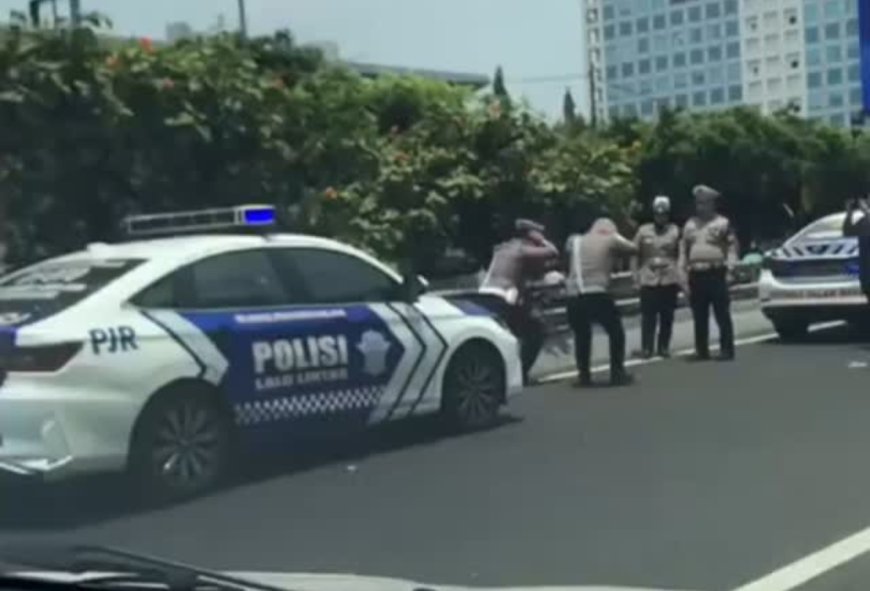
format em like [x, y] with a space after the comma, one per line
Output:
[657, 275]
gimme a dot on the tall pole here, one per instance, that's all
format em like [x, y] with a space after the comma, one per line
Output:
[243, 20]
[75, 12]
[593, 98]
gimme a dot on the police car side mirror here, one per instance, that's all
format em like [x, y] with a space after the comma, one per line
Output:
[413, 286]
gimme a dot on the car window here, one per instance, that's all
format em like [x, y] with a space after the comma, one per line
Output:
[322, 276]
[233, 280]
[46, 288]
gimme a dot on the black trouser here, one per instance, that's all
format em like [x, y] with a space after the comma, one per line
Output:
[706, 289]
[657, 305]
[596, 308]
[526, 324]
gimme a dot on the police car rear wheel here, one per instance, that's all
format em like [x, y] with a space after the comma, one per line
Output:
[474, 386]
[182, 446]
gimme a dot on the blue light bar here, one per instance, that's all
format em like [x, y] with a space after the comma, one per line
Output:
[852, 269]
[204, 220]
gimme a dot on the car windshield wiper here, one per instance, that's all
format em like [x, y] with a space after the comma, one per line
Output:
[102, 567]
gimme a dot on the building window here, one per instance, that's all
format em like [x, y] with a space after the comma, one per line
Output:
[770, 19]
[814, 56]
[730, 6]
[694, 14]
[714, 54]
[732, 29]
[717, 96]
[774, 106]
[644, 67]
[627, 70]
[856, 96]
[854, 73]
[837, 120]
[660, 43]
[698, 78]
[625, 29]
[735, 92]
[713, 10]
[629, 110]
[832, 31]
[663, 84]
[677, 39]
[643, 45]
[853, 51]
[696, 56]
[610, 73]
[646, 108]
[714, 75]
[811, 13]
[794, 82]
[733, 72]
[609, 13]
[852, 26]
[646, 87]
[791, 16]
[643, 25]
[677, 18]
[696, 35]
[835, 76]
[816, 100]
[752, 24]
[613, 112]
[659, 22]
[814, 79]
[754, 67]
[681, 101]
[811, 35]
[681, 80]
[699, 99]
[771, 42]
[833, 9]
[714, 31]
[732, 50]
[835, 99]
[833, 54]
[661, 63]
[608, 32]
[774, 84]
[679, 60]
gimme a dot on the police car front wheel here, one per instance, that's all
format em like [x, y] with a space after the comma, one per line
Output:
[474, 386]
[181, 446]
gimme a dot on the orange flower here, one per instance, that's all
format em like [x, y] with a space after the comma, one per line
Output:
[146, 44]
[330, 194]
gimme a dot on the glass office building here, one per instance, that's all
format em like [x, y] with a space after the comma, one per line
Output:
[713, 54]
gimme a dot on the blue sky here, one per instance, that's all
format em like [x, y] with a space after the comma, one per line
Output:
[539, 43]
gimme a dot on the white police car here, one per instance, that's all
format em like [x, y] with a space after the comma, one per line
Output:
[812, 277]
[167, 355]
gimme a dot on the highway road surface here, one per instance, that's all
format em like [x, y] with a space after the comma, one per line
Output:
[751, 475]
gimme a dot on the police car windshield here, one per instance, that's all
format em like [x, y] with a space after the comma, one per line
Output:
[46, 288]
[826, 228]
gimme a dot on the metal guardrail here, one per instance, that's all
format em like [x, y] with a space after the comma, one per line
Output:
[552, 298]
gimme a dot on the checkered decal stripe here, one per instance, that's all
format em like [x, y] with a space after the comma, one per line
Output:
[324, 403]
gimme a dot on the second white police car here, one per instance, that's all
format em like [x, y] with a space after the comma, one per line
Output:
[167, 356]
[813, 277]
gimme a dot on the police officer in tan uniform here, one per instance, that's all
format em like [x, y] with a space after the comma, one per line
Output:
[514, 264]
[707, 257]
[591, 255]
[657, 275]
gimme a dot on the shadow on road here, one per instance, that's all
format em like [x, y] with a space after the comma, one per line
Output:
[37, 508]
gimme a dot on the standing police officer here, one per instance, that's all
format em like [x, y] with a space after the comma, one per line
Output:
[591, 255]
[657, 275]
[860, 228]
[514, 263]
[708, 254]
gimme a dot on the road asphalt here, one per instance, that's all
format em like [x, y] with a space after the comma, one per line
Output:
[701, 476]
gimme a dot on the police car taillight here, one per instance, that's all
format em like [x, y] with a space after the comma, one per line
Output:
[43, 358]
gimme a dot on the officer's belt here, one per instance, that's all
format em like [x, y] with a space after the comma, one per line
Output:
[704, 266]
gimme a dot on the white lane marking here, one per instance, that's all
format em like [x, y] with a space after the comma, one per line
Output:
[810, 567]
[564, 375]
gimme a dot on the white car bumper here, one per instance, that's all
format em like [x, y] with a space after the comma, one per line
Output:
[54, 433]
[825, 299]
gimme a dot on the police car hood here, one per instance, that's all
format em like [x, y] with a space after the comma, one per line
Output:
[349, 582]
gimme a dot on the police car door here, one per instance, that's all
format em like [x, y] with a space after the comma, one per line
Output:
[371, 362]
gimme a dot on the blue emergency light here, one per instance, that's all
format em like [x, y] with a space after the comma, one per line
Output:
[241, 217]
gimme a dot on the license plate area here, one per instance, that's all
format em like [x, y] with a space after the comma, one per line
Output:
[819, 293]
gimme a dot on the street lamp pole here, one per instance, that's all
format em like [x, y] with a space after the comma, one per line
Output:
[243, 20]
